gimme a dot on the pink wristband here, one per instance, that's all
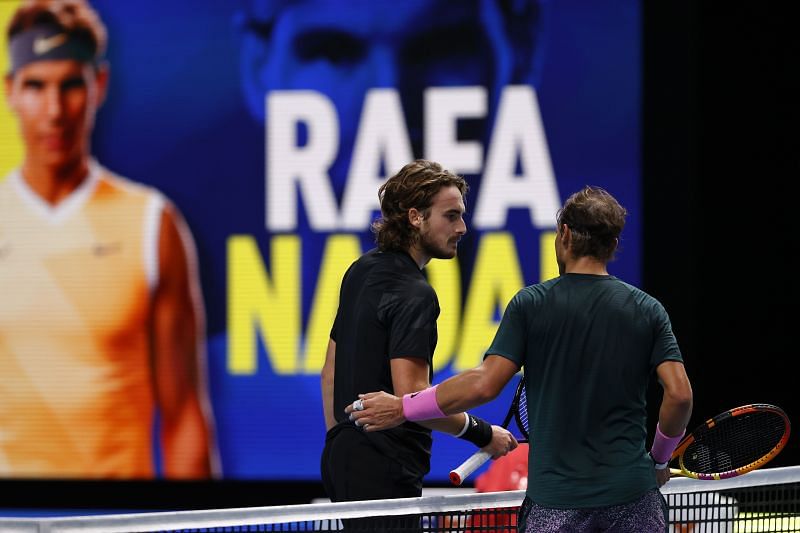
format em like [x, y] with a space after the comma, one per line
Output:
[422, 405]
[663, 446]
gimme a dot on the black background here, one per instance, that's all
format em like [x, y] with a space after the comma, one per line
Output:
[720, 170]
[720, 194]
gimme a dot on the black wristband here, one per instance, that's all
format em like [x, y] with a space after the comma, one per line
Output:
[479, 431]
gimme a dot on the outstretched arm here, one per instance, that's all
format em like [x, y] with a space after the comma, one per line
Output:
[410, 374]
[178, 361]
[463, 391]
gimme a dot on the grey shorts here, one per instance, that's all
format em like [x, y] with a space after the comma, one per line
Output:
[648, 514]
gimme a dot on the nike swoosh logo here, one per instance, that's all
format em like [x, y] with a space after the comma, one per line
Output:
[103, 249]
[42, 45]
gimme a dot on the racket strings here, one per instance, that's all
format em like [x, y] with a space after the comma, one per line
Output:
[522, 413]
[734, 442]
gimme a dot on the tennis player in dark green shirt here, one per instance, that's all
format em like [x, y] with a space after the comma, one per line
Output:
[589, 344]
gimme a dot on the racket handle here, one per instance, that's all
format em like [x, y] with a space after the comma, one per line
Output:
[458, 475]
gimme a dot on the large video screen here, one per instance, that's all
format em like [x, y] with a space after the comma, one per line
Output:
[269, 126]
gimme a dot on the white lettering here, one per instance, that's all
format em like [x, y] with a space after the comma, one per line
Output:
[382, 135]
[518, 171]
[443, 107]
[518, 132]
[306, 166]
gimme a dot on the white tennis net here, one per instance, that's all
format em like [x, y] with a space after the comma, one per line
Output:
[763, 500]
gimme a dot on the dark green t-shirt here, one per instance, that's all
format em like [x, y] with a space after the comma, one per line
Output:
[589, 346]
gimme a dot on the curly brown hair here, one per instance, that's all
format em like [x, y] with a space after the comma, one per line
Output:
[75, 17]
[414, 186]
[596, 220]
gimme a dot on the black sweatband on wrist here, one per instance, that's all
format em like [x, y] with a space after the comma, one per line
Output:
[479, 431]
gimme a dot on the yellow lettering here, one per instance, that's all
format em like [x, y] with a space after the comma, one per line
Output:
[445, 277]
[12, 149]
[258, 303]
[548, 266]
[496, 278]
[269, 305]
[340, 252]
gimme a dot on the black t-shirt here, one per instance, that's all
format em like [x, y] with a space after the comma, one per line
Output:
[387, 309]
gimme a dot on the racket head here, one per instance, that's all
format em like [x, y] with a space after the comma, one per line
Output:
[733, 443]
[520, 409]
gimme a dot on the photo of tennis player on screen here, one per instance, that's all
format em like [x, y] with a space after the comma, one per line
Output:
[101, 319]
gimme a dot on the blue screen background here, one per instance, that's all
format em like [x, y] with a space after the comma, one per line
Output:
[178, 117]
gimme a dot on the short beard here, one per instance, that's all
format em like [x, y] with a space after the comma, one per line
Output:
[434, 251]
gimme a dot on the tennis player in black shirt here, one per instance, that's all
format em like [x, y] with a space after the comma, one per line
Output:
[384, 336]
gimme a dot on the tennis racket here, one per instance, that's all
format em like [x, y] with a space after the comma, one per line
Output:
[519, 412]
[733, 443]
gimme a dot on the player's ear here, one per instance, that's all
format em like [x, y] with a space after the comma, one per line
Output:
[256, 49]
[415, 217]
[102, 75]
[7, 85]
[565, 235]
[523, 25]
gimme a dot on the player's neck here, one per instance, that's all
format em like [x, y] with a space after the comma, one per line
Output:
[419, 257]
[586, 265]
[54, 183]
